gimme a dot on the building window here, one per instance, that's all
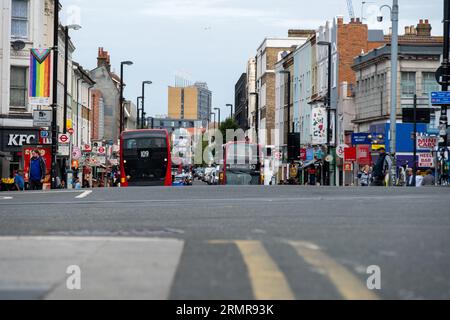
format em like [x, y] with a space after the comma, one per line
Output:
[429, 83]
[19, 19]
[18, 92]
[408, 84]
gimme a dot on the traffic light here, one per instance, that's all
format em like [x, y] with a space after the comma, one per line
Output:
[294, 147]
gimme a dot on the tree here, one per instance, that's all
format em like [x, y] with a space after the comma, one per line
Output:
[228, 124]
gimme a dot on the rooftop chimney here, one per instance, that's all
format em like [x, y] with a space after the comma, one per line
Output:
[424, 28]
[103, 59]
[299, 33]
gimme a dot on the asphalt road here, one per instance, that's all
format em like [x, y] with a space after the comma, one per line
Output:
[202, 242]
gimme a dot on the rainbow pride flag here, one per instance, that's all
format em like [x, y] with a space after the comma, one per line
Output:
[40, 64]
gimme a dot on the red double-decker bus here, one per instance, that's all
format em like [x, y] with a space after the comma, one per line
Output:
[145, 158]
[242, 164]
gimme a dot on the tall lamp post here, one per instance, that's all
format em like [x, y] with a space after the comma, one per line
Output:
[256, 94]
[328, 103]
[55, 93]
[394, 10]
[218, 111]
[143, 102]
[213, 114]
[66, 67]
[231, 106]
[138, 113]
[443, 121]
[122, 124]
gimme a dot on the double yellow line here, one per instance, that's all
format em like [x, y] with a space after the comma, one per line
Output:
[269, 283]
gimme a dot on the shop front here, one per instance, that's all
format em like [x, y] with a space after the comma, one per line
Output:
[12, 141]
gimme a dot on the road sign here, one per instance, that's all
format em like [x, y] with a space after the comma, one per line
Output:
[101, 150]
[64, 150]
[70, 131]
[64, 139]
[87, 148]
[440, 76]
[42, 118]
[340, 150]
[441, 98]
[76, 153]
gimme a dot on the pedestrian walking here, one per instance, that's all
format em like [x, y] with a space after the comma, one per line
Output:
[19, 181]
[77, 184]
[409, 178]
[402, 176]
[37, 171]
[381, 168]
[419, 179]
[428, 180]
[365, 176]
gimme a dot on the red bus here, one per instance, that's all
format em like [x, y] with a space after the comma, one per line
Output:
[145, 158]
[242, 164]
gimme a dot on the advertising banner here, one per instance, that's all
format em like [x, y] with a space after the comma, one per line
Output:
[319, 126]
[46, 153]
[39, 84]
[426, 160]
[427, 143]
[363, 155]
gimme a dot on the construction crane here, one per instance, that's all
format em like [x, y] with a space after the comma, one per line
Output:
[351, 11]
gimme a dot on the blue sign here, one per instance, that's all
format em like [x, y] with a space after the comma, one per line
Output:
[440, 98]
[44, 134]
[309, 154]
[360, 138]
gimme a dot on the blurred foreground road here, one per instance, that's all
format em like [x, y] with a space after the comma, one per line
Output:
[226, 243]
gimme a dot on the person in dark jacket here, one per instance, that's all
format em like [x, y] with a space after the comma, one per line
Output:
[379, 172]
[428, 180]
[37, 171]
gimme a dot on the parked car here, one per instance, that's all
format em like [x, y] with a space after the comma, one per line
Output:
[182, 180]
[207, 174]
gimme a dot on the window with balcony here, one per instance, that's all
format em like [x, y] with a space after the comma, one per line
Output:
[19, 19]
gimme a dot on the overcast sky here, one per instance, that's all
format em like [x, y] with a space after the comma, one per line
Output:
[205, 40]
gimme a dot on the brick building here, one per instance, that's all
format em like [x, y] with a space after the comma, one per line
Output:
[268, 54]
[98, 123]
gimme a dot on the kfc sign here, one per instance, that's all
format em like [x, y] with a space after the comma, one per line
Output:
[18, 140]
[13, 140]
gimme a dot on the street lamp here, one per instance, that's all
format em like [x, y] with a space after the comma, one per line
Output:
[55, 92]
[218, 110]
[138, 110]
[231, 106]
[66, 66]
[256, 94]
[123, 63]
[394, 10]
[213, 114]
[143, 102]
[328, 103]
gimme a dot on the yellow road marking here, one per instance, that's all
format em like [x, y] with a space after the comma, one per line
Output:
[345, 282]
[268, 282]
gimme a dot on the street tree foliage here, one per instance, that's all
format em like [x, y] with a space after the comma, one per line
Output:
[228, 124]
